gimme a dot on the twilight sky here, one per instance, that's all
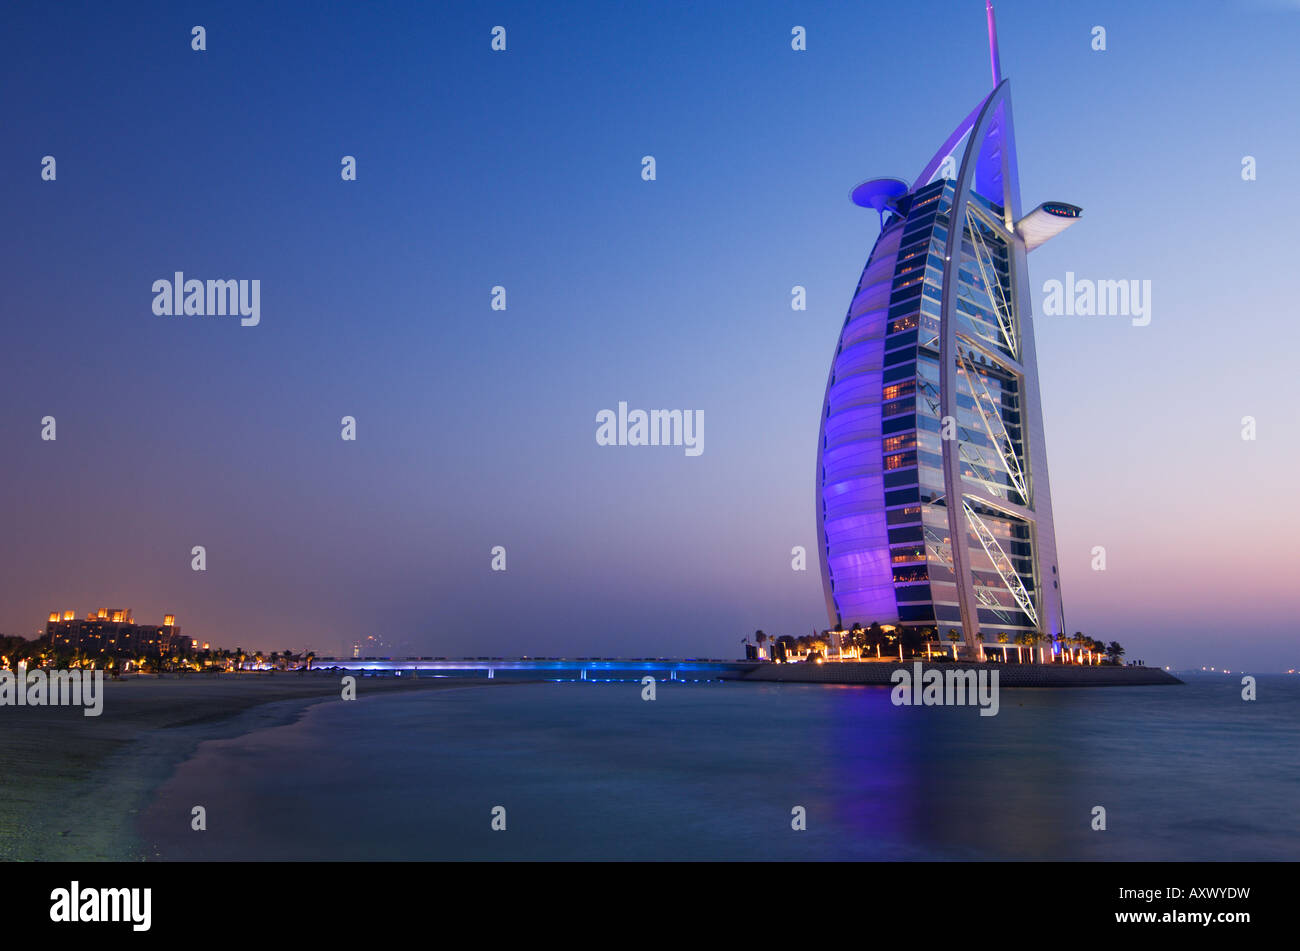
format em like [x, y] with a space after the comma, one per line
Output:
[476, 427]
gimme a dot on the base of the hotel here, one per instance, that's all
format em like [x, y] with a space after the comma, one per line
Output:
[1009, 675]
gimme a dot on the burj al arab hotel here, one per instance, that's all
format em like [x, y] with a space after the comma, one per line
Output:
[933, 504]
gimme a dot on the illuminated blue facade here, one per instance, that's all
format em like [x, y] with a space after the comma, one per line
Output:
[932, 425]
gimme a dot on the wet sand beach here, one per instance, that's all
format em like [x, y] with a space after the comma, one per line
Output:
[71, 785]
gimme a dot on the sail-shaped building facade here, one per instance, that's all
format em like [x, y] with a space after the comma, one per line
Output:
[933, 503]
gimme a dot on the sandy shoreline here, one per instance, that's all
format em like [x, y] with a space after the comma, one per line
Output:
[71, 786]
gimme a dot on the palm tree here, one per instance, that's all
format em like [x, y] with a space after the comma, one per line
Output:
[1004, 638]
[874, 637]
[1115, 651]
[1085, 646]
[954, 635]
[1023, 640]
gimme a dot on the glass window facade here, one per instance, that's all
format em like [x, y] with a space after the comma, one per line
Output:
[889, 468]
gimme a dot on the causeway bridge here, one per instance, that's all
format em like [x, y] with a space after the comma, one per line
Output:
[546, 668]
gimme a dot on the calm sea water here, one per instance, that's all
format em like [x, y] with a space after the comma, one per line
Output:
[712, 771]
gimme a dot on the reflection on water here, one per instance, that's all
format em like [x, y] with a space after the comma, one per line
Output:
[712, 771]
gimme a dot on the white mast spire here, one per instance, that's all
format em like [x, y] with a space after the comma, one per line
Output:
[993, 44]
